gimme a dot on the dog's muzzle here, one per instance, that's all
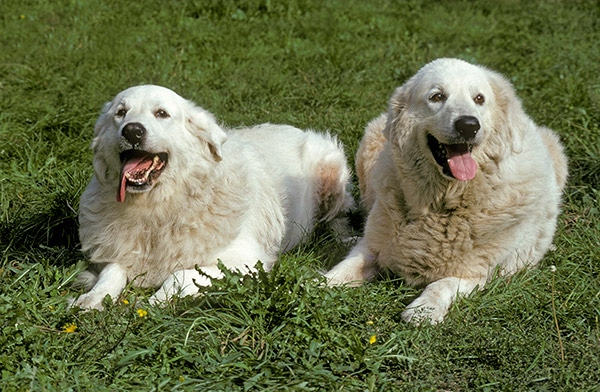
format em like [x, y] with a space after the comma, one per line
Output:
[455, 157]
[139, 168]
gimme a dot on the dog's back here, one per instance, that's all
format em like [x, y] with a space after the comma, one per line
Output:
[310, 167]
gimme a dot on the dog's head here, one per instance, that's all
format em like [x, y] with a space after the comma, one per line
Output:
[456, 111]
[148, 134]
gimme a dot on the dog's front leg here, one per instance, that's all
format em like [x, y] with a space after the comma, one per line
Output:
[111, 281]
[358, 267]
[183, 283]
[435, 301]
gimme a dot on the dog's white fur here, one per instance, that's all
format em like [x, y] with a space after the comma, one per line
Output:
[433, 230]
[240, 196]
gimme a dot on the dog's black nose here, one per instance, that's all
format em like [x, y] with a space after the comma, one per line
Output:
[467, 126]
[133, 132]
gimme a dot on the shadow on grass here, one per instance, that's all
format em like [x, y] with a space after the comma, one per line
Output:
[54, 225]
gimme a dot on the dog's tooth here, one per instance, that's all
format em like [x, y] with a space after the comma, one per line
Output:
[155, 163]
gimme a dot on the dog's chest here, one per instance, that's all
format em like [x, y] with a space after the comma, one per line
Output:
[457, 234]
[151, 246]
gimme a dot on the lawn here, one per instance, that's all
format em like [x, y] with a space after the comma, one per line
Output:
[326, 65]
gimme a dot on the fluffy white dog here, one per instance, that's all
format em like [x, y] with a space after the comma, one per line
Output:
[458, 182]
[173, 191]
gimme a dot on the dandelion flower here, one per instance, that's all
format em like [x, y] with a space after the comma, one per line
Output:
[125, 302]
[69, 328]
[142, 313]
[373, 339]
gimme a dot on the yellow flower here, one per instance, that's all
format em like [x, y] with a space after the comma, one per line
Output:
[142, 313]
[69, 328]
[370, 322]
[372, 339]
[125, 302]
[181, 379]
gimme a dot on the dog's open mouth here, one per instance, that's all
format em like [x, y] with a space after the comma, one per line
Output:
[455, 159]
[139, 171]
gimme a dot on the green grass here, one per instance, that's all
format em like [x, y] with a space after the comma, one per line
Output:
[324, 65]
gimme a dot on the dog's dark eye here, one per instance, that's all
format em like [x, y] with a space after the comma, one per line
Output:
[121, 112]
[160, 113]
[437, 97]
[479, 99]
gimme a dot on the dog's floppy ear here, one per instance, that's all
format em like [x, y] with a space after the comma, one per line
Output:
[396, 106]
[101, 167]
[515, 121]
[203, 125]
[102, 119]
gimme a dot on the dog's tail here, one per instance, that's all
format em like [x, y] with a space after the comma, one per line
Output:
[332, 175]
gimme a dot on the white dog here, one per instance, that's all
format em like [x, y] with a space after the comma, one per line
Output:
[458, 182]
[169, 194]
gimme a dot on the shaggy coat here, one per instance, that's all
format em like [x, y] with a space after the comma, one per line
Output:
[189, 194]
[458, 183]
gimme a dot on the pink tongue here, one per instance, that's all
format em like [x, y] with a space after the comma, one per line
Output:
[121, 191]
[136, 163]
[462, 165]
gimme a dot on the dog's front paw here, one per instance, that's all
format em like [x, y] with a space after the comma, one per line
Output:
[358, 268]
[165, 294]
[435, 301]
[88, 301]
[179, 284]
[335, 278]
[425, 310]
[159, 298]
